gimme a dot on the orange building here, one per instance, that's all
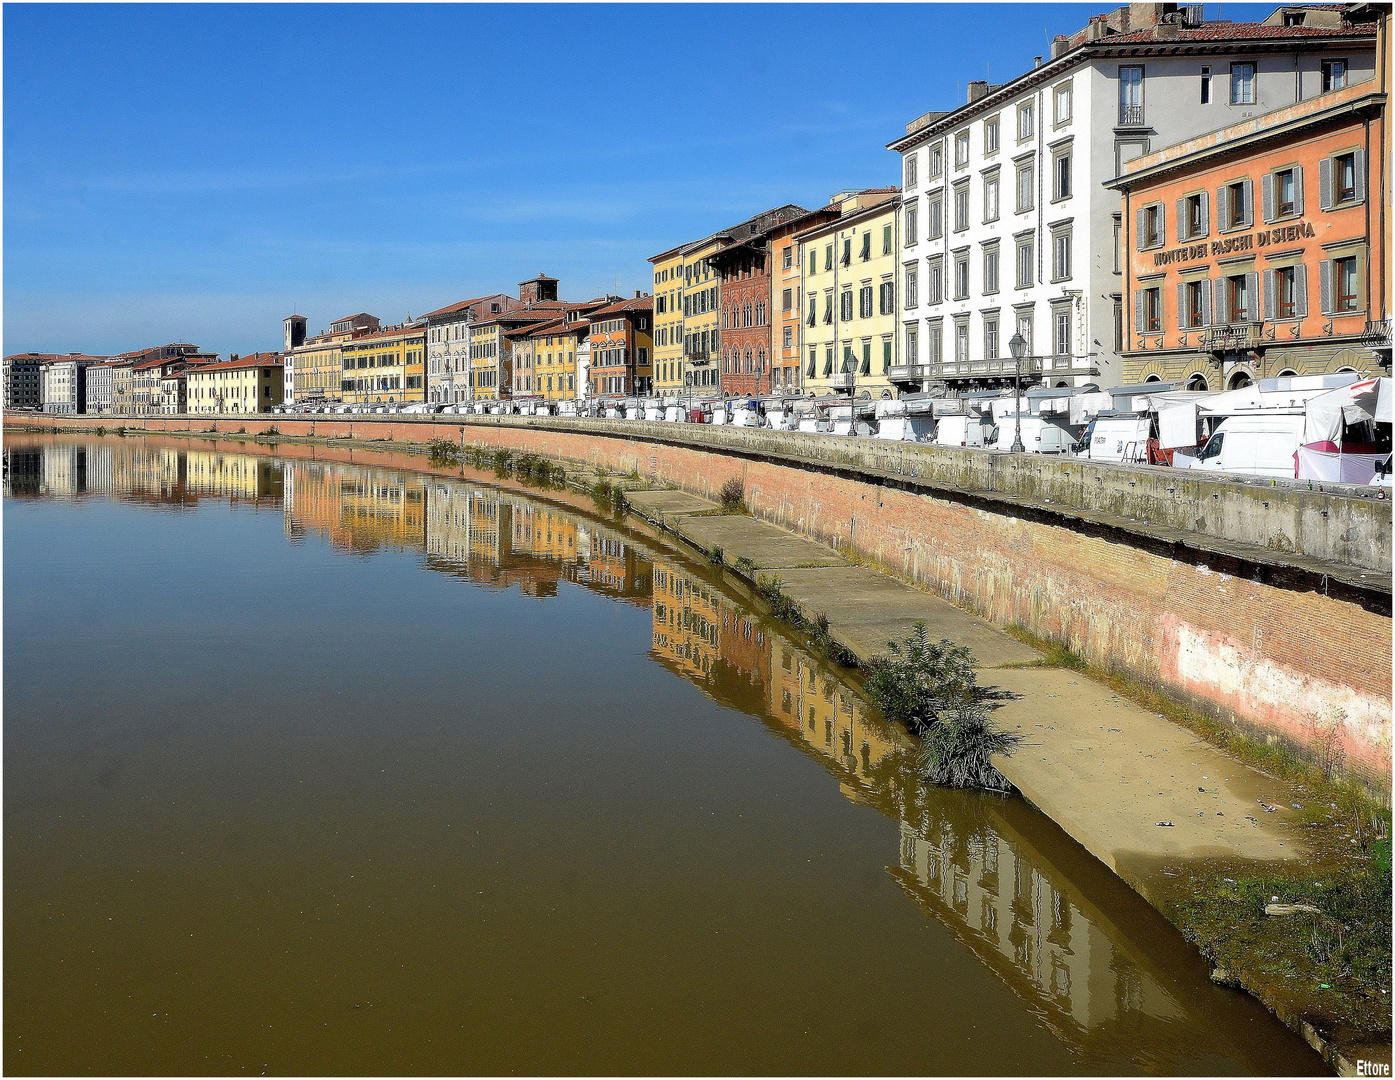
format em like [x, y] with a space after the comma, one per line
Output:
[1260, 250]
[622, 347]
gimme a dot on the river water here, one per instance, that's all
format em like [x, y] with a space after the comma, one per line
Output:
[315, 763]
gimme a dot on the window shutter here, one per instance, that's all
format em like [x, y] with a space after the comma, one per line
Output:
[1300, 290]
[1206, 287]
[1360, 166]
[1325, 286]
[1205, 215]
[1222, 203]
[1266, 187]
[1249, 189]
[1298, 190]
[1181, 305]
[1182, 225]
[1140, 237]
[1138, 311]
[1162, 225]
[1270, 311]
[1325, 184]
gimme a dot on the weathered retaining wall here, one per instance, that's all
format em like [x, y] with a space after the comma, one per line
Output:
[1283, 643]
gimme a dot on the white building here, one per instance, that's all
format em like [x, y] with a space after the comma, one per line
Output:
[1007, 228]
[448, 344]
[63, 386]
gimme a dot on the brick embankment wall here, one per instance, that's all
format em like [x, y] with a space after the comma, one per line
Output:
[1280, 655]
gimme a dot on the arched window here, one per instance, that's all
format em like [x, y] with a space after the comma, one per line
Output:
[1287, 373]
[1197, 381]
[1240, 380]
[1150, 379]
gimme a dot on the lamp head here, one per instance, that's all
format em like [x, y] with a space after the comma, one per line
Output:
[1018, 346]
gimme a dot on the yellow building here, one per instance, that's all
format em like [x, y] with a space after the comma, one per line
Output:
[492, 344]
[319, 370]
[849, 268]
[248, 384]
[687, 621]
[554, 358]
[388, 366]
[240, 476]
[668, 321]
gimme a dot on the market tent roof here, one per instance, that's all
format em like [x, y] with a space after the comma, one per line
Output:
[1329, 411]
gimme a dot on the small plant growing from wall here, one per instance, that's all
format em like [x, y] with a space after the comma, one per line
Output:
[733, 496]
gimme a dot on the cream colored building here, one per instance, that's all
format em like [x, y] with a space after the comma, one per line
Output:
[248, 384]
[848, 284]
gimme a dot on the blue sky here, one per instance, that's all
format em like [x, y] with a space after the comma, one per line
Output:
[190, 172]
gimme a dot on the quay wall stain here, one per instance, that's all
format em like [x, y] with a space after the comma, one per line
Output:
[1278, 662]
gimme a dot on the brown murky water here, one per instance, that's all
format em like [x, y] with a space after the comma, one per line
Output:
[326, 767]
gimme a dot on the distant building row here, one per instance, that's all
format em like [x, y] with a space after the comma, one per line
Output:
[1163, 199]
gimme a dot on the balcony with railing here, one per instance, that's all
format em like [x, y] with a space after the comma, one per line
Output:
[906, 373]
[995, 368]
[842, 380]
[1130, 115]
[1231, 337]
[1377, 335]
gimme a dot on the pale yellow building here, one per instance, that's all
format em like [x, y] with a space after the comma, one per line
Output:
[388, 366]
[249, 384]
[849, 270]
[668, 321]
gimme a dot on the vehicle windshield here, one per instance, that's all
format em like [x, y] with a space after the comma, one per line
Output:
[1213, 446]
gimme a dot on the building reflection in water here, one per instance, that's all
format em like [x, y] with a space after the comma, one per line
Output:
[962, 857]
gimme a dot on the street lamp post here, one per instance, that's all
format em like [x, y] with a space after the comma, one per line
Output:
[1018, 345]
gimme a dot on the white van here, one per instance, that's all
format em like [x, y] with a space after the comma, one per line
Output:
[957, 429]
[1040, 435]
[1259, 445]
[1119, 438]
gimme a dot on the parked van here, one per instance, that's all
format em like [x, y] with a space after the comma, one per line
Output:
[1118, 438]
[958, 429]
[1260, 445]
[1040, 435]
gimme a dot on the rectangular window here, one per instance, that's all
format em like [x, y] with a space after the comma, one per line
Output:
[789, 336]
[1062, 104]
[886, 298]
[990, 197]
[912, 345]
[864, 302]
[1026, 122]
[1334, 75]
[787, 257]
[1194, 219]
[961, 207]
[1024, 263]
[961, 149]
[936, 282]
[1344, 177]
[1196, 295]
[1152, 311]
[990, 136]
[1026, 186]
[866, 252]
[1130, 95]
[1153, 225]
[1060, 322]
[1061, 186]
[937, 161]
[910, 170]
[990, 337]
[1344, 270]
[1237, 199]
[1237, 290]
[845, 306]
[911, 224]
[1284, 192]
[961, 277]
[1206, 86]
[937, 346]
[1285, 293]
[1242, 84]
[912, 281]
[961, 340]
[813, 263]
[828, 256]
[1061, 256]
[990, 269]
[934, 208]
[786, 299]
[886, 239]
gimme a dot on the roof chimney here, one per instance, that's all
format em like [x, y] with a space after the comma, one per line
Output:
[637, 294]
[1038, 61]
[977, 89]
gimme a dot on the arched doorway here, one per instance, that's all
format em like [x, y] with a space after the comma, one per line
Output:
[1197, 381]
[1240, 380]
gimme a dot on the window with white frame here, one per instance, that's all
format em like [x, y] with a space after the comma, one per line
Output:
[1026, 121]
[911, 209]
[1061, 254]
[990, 267]
[910, 171]
[961, 206]
[990, 196]
[1060, 331]
[937, 160]
[1242, 84]
[990, 135]
[1026, 186]
[990, 336]
[961, 149]
[961, 339]
[1061, 99]
[1061, 174]
[961, 275]
[1025, 266]
[912, 286]
[935, 289]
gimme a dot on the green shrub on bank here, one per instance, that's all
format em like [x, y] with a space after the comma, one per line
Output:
[932, 687]
[443, 453]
